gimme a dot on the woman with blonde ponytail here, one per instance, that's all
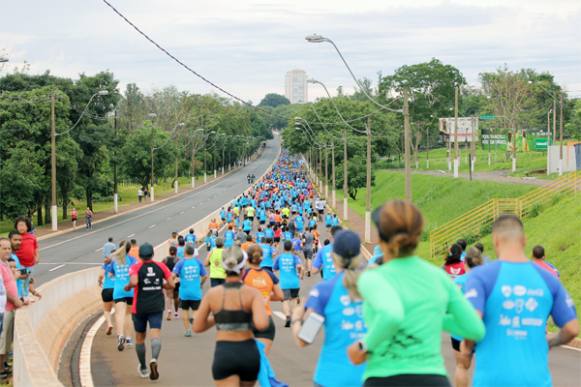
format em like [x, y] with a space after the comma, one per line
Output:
[235, 310]
[408, 302]
[336, 305]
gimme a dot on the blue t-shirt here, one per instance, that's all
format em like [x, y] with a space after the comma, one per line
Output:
[190, 238]
[515, 299]
[460, 281]
[287, 264]
[229, 239]
[324, 261]
[377, 256]
[223, 214]
[190, 272]
[344, 325]
[108, 279]
[267, 252]
[328, 220]
[299, 223]
[121, 273]
[247, 225]
[20, 283]
[259, 236]
[210, 242]
[269, 233]
[180, 252]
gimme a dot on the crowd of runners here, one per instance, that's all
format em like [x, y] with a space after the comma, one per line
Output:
[382, 319]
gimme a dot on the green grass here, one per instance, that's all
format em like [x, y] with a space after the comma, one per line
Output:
[440, 198]
[558, 229]
[528, 163]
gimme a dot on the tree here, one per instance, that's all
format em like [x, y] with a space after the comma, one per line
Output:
[357, 175]
[273, 100]
[508, 92]
[573, 127]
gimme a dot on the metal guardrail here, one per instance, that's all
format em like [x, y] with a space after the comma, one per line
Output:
[477, 222]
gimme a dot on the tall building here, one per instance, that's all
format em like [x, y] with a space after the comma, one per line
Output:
[296, 86]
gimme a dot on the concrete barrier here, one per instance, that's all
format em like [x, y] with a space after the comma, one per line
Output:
[43, 328]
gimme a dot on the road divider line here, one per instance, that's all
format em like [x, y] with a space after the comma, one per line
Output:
[57, 267]
[99, 249]
[152, 226]
[71, 263]
[85, 356]
[130, 235]
[280, 315]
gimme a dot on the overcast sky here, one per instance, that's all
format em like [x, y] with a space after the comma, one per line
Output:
[247, 46]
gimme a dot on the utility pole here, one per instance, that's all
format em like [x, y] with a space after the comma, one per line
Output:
[193, 165]
[333, 191]
[326, 172]
[176, 184]
[473, 145]
[152, 192]
[407, 139]
[368, 185]
[548, 140]
[561, 134]
[554, 119]
[345, 177]
[115, 188]
[456, 147]
[53, 200]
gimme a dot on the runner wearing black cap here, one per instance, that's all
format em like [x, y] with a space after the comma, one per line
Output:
[147, 277]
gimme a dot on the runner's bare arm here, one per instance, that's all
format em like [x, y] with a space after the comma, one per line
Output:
[277, 294]
[259, 316]
[202, 319]
[567, 333]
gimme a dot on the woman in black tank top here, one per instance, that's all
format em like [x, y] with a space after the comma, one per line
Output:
[233, 308]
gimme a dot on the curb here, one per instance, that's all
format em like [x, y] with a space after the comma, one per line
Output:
[151, 204]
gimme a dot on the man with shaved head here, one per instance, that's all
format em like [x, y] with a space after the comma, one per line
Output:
[515, 298]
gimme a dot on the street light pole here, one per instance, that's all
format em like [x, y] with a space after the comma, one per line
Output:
[53, 200]
[326, 172]
[456, 147]
[334, 187]
[548, 140]
[561, 134]
[368, 186]
[407, 139]
[115, 185]
[345, 177]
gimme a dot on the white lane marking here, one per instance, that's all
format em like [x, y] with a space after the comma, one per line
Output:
[280, 315]
[98, 250]
[152, 226]
[57, 267]
[193, 206]
[130, 235]
[182, 212]
[85, 355]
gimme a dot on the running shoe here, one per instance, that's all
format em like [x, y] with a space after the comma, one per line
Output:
[188, 333]
[109, 330]
[129, 341]
[176, 315]
[153, 373]
[287, 324]
[120, 343]
[143, 372]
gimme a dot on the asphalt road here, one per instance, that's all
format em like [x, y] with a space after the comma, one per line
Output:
[81, 248]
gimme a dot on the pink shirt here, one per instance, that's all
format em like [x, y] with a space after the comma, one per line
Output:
[9, 285]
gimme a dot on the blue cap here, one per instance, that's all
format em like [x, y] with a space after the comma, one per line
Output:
[347, 244]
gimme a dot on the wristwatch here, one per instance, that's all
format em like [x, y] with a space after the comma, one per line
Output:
[362, 346]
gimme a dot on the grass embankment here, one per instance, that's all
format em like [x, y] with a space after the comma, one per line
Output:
[440, 198]
[528, 163]
[558, 229]
[127, 197]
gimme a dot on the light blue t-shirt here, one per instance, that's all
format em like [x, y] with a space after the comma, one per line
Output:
[269, 233]
[190, 238]
[287, 264]
[229, 239]
[121, 273]
[108, 279]
[190, 272]
[515, 299]
[266, 255]
[247, 225]
[324, 261]
[344, 325]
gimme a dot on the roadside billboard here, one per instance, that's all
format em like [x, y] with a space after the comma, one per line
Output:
[467, 129]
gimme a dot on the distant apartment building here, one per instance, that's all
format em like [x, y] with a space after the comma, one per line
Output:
[296, 86]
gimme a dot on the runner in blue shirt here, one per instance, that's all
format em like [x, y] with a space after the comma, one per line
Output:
[181, 247]
[328, 220]
[210, 241]
[107, 283]
[247, 226]
[338, 302]
[119, 268]
[223, 215]
[291, 272]
[192, 275]
[515, 297]
[259, 235]
[267, 254]
[323, 262]
[269, 232]
[190, 237]
[299, 224]
[229, 238]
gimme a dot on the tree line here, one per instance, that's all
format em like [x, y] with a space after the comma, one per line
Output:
[110, 139]
[519, 99]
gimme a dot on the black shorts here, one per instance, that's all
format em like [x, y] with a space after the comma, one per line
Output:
[189, 304]
[216, 282]
[262, 221]
[411, 380]
[455, 344]
[277, 239]
[268, 333]
[321, 211]
[140, 321]
[127, 300]
[250, 218]
[308, 254]
[236, 358]
[107, 295]
[290, 293]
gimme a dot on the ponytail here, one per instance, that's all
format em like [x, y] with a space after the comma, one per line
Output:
[352, 268]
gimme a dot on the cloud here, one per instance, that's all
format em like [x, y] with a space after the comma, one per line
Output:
[247, 46]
